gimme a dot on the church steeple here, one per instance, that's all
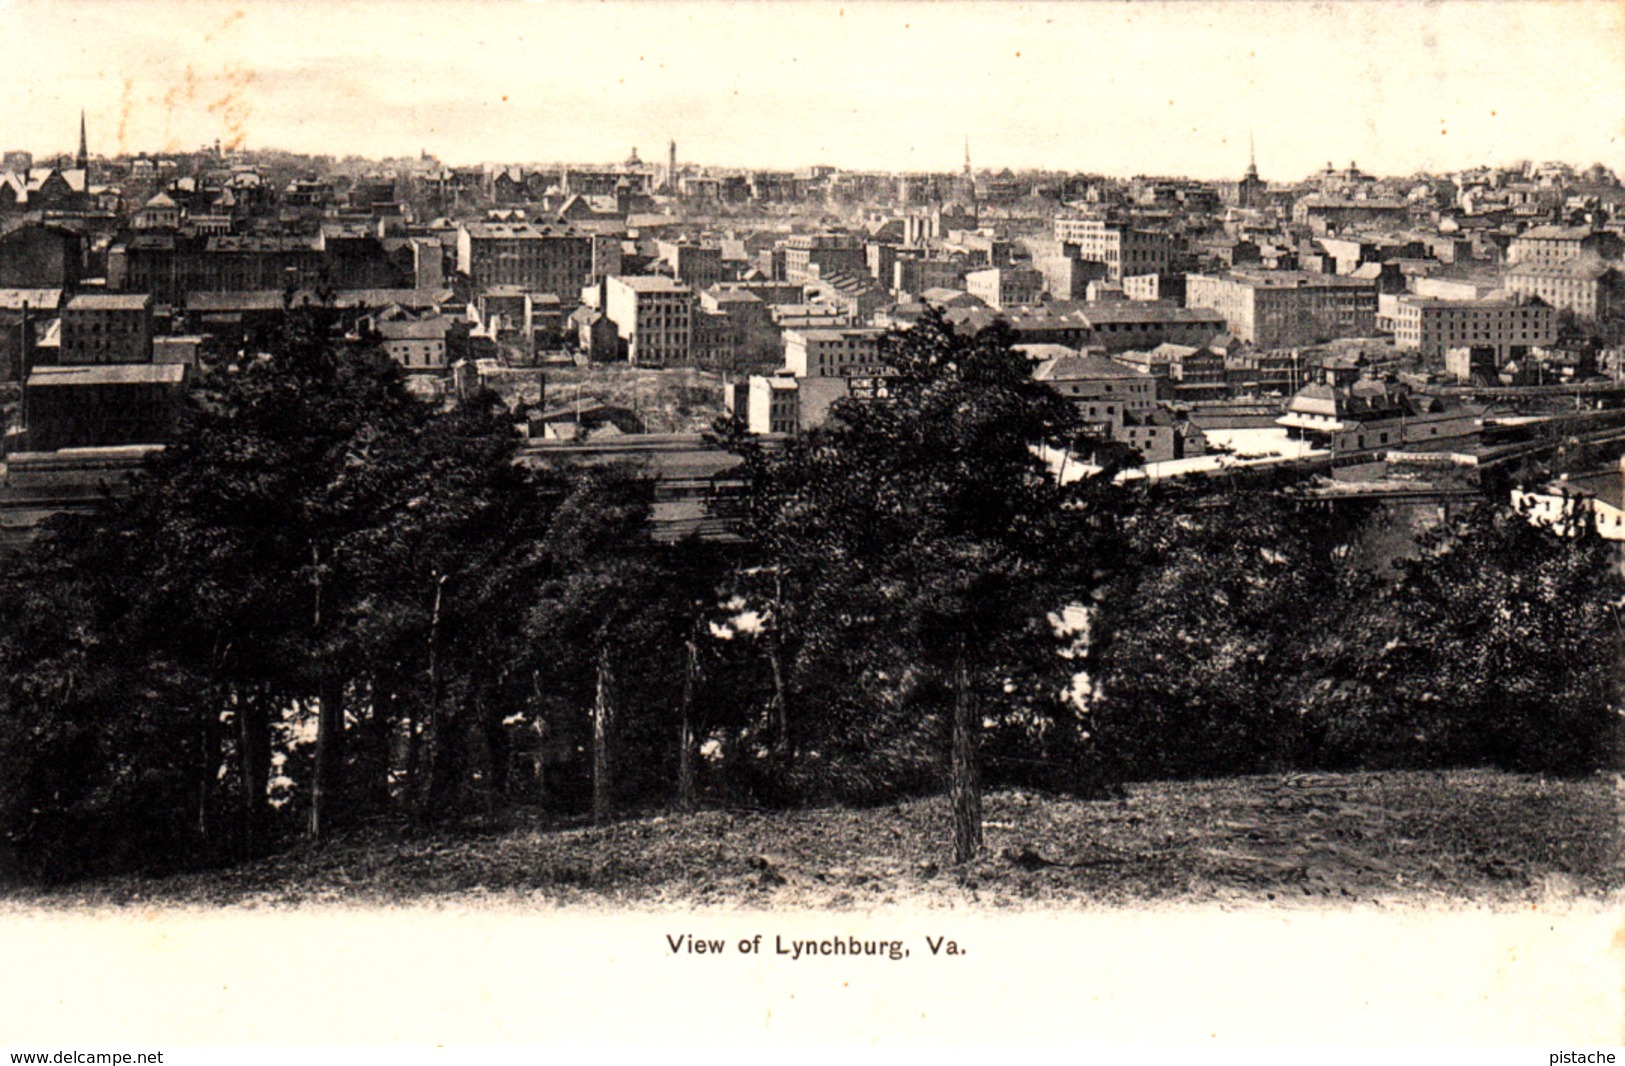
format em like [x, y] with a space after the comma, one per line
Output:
[82, 160]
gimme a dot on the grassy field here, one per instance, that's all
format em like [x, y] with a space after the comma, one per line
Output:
[1396, 837]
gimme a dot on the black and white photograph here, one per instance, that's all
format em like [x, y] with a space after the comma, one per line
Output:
[795, 525]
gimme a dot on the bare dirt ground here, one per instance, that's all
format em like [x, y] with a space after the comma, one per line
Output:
[1402, 838]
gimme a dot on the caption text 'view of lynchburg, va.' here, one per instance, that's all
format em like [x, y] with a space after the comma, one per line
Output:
[664, 531]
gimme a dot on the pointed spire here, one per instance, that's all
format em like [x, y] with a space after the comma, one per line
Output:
[967, 155]
[82, 161]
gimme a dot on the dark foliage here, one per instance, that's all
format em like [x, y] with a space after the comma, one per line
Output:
[918, 546]
[330, 604]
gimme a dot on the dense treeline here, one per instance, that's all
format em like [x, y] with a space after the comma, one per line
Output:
[1249, 635]
[330, 603]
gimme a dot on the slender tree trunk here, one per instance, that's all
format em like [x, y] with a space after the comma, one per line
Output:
[602, 713]
[543, 736]
[374, 738]
[964, 788]
[780, 709]
[329, 754]
[210, 742]
[208, 780]
[414, 760]
[254, 749]
[499, 755]
[428, 757]
[322, 771]
[687, 771]
[775, 661]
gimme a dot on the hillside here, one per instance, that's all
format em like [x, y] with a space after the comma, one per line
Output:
[1399, 837]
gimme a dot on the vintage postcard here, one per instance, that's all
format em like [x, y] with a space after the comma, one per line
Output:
[794, 525]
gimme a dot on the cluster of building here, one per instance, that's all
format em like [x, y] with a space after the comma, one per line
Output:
[1330, 304]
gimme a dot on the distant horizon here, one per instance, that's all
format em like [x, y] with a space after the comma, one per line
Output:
[604, 164]
[1150, 88]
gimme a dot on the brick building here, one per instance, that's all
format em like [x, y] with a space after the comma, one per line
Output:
[1587, 286]
[103, 406]
[827, 353]
[1001, 287]
[1122, 250]
[1550, 245]
[828, 252]
[654, 317]
[1509, 326]
[107, 328]
[553, 259]
[1285, 308]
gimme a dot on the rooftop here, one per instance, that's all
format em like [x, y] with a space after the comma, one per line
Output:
[1085, 368]
[110, 301]
[1556, 233]
[13, 299]
[835, 334]
[119, 374]
[262, 244]
[517, 231]
[651, 283]
[1295, 279]
[1147, 311]
[1586, 269]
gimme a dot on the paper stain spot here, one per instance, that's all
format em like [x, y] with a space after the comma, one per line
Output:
[232, 106]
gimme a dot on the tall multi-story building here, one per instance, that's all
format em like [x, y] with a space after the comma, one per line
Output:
[1123, 250]
[654, 316]
[606, 257]
[1009, 286]
[107, 328]
[1550, 245]
[169, 266]
[833, 353]
[1286, 308]
[1169, 287]
[1586, 286]
[914, 275]
[1128, 324]
[1066, 278]
[698, 266]
[553, 259]
[829, 252]
[1324, 213]
[1509, 326]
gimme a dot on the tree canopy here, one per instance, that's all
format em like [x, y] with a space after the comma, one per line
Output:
[330, 604]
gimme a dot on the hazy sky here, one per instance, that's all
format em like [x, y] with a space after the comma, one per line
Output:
[1110, 87]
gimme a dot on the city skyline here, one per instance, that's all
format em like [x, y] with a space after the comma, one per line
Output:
[1113, 89]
